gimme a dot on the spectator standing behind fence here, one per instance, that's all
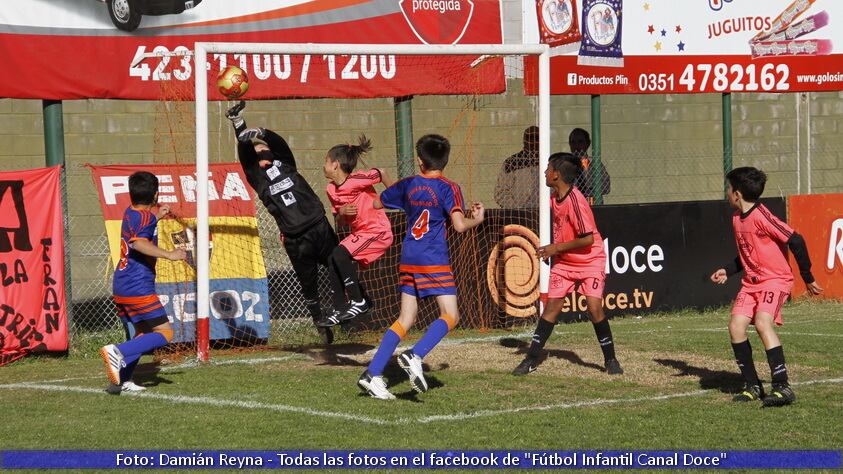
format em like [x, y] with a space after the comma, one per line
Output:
[580, 141]
[517, 185]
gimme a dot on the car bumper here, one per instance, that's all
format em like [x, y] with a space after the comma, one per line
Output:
[166, 7]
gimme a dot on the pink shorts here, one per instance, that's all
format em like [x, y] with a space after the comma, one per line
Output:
[366, 248]
[770, 299]
[588, 283]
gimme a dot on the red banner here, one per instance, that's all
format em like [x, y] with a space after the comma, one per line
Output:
[33, 313]
[59, 51]
[228, 192]
[819, 218]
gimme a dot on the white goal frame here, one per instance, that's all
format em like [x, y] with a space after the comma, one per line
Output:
[200, 57]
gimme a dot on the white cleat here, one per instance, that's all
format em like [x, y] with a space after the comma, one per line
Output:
[374, 386]
[113, 362]
[129, 386]
[412, 364]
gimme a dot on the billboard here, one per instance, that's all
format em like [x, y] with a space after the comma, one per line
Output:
[139, 49]
[819, 218]
[693, 46]
[659, 258]
[238, 279]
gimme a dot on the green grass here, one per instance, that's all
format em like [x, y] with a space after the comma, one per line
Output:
[306, 397]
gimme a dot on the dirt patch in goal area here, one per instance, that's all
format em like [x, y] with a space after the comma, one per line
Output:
[585, 361]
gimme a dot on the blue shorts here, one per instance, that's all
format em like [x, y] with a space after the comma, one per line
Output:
[141, 308]
[424, 281]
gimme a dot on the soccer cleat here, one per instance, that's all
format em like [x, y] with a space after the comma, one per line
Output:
[356, 308]
[129, 386]
[412, 364]
[233, 113]
[750, 393]
[526, 366]
[113, 362]
[331, 320]
[613, 367]
[780, 396]
[374, 386]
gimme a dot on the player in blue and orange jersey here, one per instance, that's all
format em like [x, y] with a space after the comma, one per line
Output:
[429, 200]
[352, 197]
[134, 283]
[762, 240]
[578, 262]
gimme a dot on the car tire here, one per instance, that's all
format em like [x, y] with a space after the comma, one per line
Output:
[124, 14]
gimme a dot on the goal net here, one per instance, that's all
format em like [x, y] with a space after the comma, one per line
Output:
[239, 288]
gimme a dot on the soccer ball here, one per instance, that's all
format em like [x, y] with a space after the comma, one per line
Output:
[232, 82]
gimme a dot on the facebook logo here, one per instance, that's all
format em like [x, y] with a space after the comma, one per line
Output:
[572, 78]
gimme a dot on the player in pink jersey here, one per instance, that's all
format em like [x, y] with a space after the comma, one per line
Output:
[352, 197]
[579, 262]
[762, 240]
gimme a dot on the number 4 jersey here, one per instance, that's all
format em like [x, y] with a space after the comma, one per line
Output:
[428, 202]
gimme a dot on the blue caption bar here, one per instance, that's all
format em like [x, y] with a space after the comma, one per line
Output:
[422, 459]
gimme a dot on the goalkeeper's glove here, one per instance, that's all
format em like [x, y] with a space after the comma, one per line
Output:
[251, 135]
[234, 114]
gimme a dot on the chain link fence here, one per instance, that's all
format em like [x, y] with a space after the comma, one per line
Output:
[654, 149]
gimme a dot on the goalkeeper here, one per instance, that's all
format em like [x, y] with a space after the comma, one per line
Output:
[307, 236]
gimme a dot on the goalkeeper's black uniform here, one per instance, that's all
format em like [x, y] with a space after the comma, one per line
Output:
[308, 237]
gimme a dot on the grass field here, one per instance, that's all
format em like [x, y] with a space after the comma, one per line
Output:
[675, 394]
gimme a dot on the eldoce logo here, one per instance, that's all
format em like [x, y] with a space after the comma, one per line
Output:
[835, 244]
[438, 21]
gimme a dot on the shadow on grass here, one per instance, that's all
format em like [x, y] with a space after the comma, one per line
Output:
[522, 346]
[149, 375]
[725, 382]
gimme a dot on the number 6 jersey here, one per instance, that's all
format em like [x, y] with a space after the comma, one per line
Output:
[428, 202]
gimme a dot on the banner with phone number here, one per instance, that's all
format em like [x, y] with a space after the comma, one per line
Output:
[693, 46]
[141, 49]
[238, 280]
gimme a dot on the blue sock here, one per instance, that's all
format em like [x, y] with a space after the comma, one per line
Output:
[131, 363]
[388, 344]
[437, 330]
[139, 345]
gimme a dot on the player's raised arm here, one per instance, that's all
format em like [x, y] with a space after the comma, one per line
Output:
[462, 223]
[385, 178]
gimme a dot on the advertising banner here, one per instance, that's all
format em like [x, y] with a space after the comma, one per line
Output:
[33, 312]
[101, 49]
[693, 46]
[819, 218]
[238, 280]
[659, 258]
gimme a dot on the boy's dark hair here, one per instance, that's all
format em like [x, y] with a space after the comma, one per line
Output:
[142, 188]
[580, 138]
[567, 165]
[434, 151]
[749, 181]
[347, 154]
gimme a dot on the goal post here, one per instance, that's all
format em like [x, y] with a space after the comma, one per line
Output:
[200, 57]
